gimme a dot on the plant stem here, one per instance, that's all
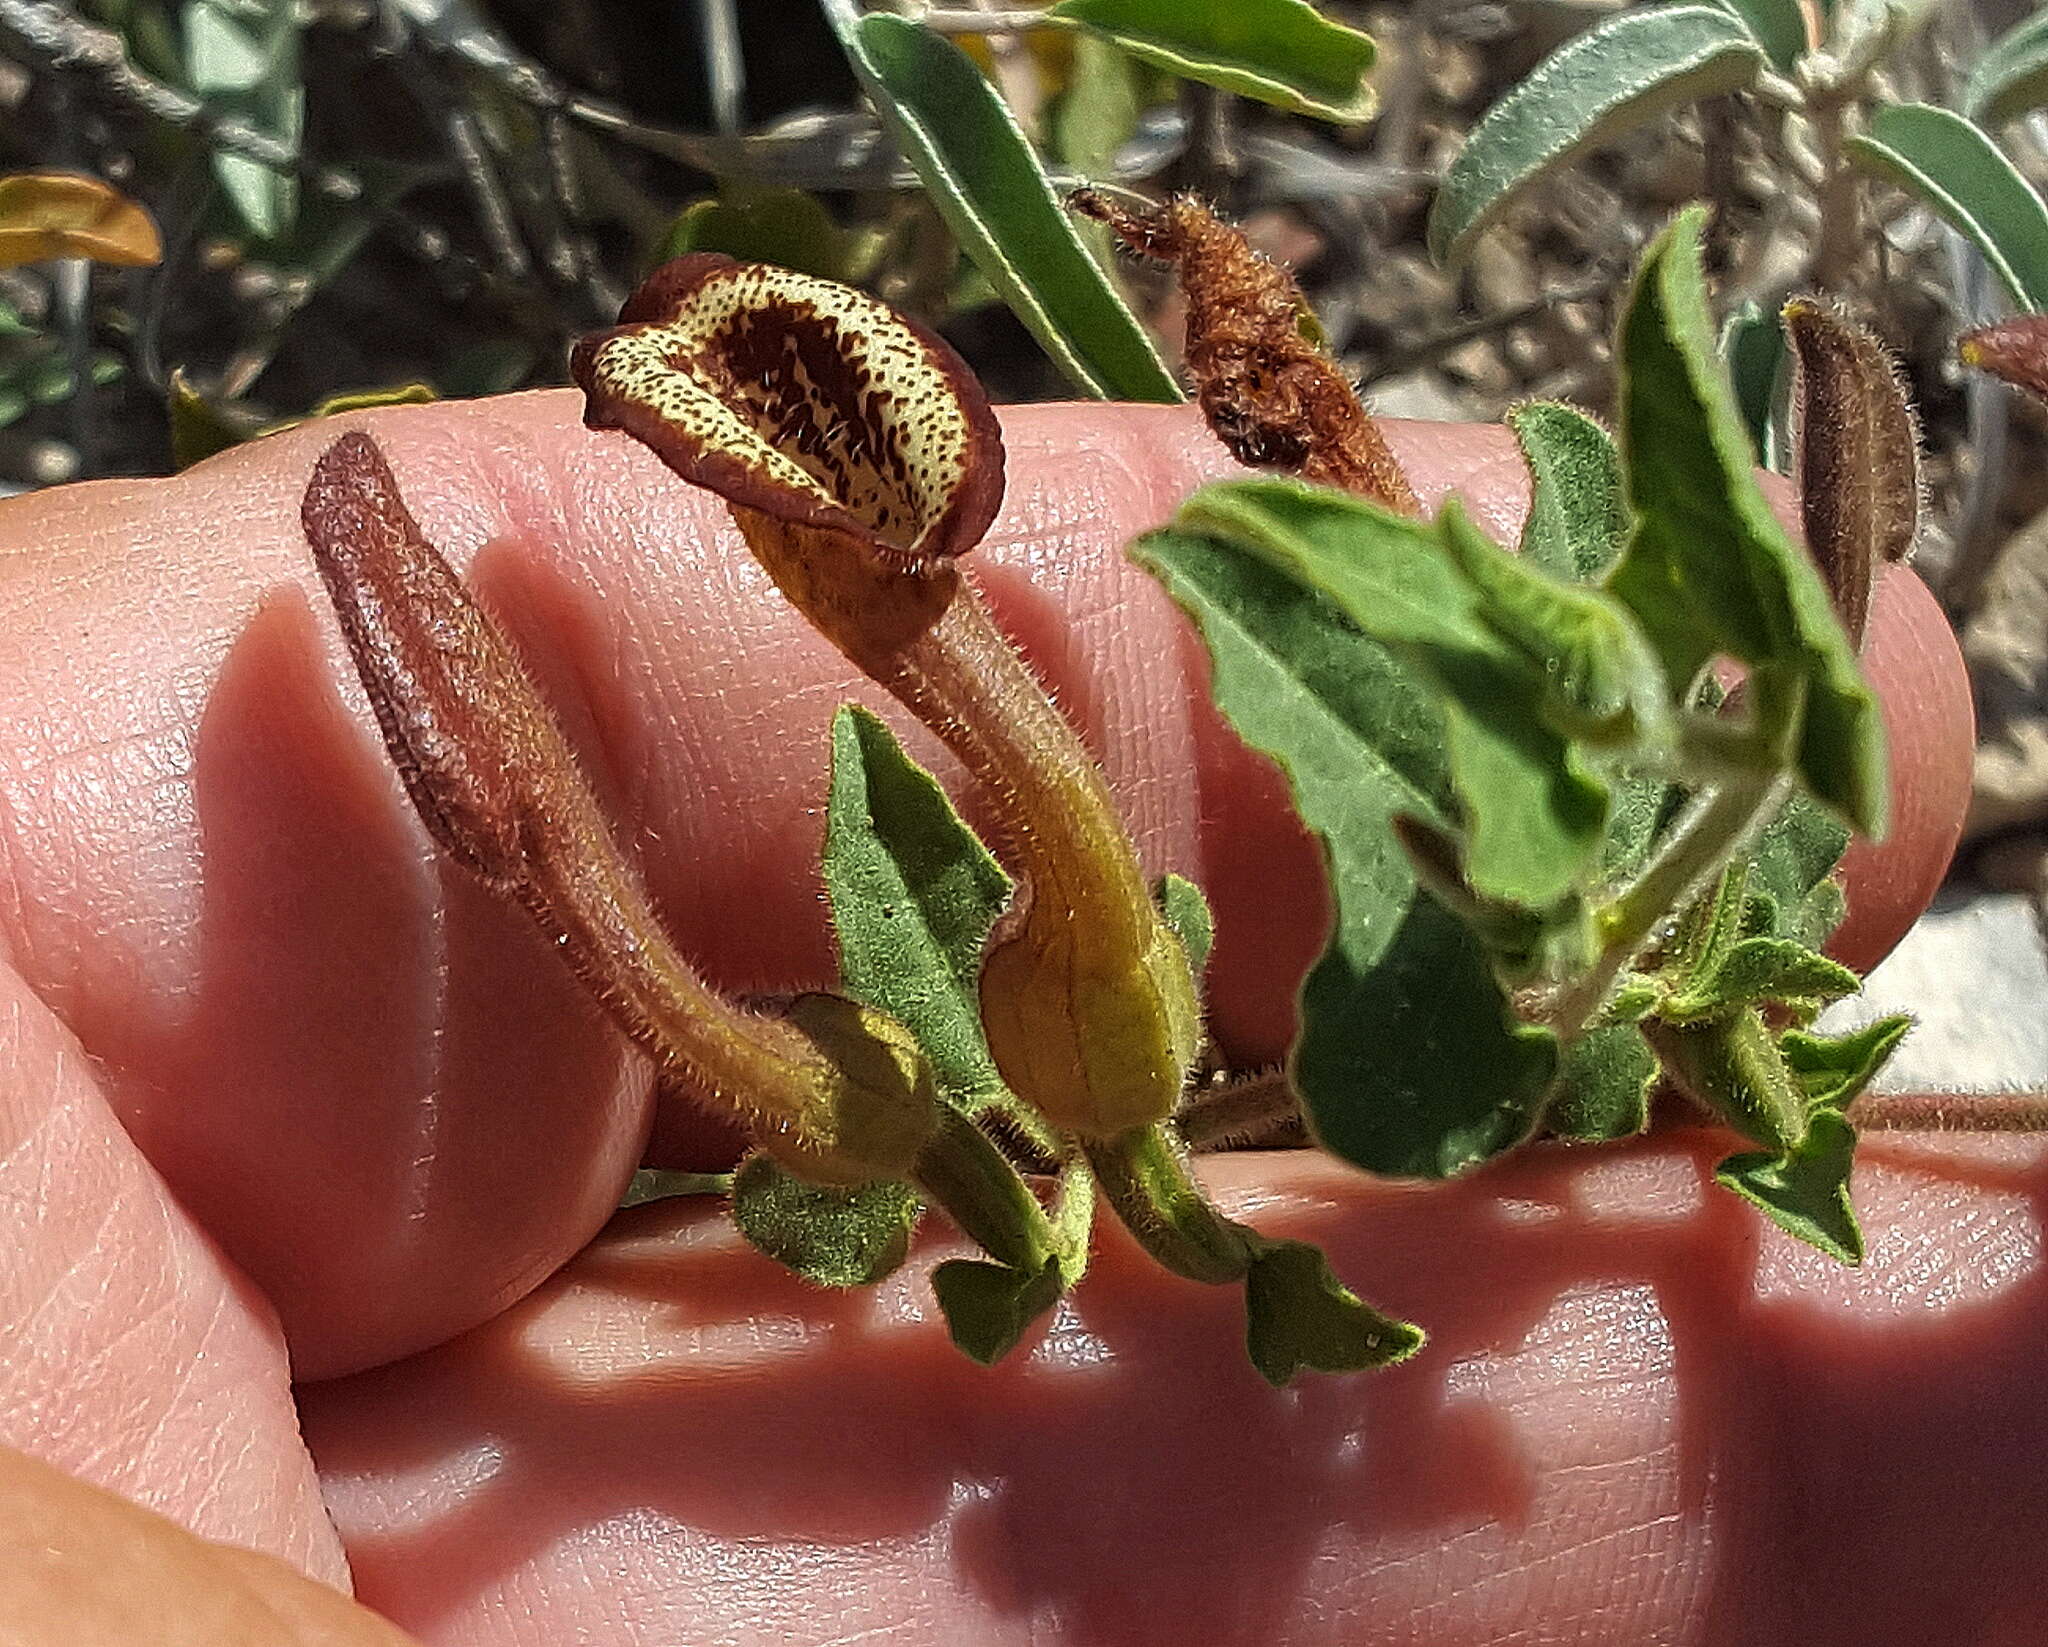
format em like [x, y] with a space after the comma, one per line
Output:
[1951, 1112]
[961, 1170]
[1144, 1177]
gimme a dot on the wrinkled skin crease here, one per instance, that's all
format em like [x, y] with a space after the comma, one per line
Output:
[374, 1093]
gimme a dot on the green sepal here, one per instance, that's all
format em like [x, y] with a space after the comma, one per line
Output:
[1603, 1086]
[831, 1236]
[654, 1184]
[1732, 1066]
[1300, 1317]
[1835, 1069]
[1578, 510]
[1710, 570]
[1805, 1190]
[1759, 970]
[913, 893]
[1187, 913]
[989, 1307]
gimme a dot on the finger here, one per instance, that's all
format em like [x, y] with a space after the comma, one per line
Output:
[369, 1082]
[80, 1567]
[130, 1353]
[1643, 1417]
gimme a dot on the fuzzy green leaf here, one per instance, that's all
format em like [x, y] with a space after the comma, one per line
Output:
[1792, 862]
[1300, 1317]
[1578, 512]
[1835, 1069]
[1758, 970]
[913, 894]
[989, 1307]
[1805, 1191]
[1187, 912]
[2011, 78]
[987, 183]
[1603, 1086]
[1594, 87]
[1776, 25]
[1955, 169]
[1282, 52]
[1710, 570]
[831, 1236]
[1410, 1061]
[1534, 819]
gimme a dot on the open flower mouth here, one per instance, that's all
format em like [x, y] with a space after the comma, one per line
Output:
[804, 400]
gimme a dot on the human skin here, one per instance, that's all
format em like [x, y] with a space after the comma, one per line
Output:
[370, 1091]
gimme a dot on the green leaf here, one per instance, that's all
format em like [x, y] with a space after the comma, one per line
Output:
[1710, 570]
[1603, 1086]
[1578, 512]
[1805, 1191]
[1956, 170]
[1792, 862]
[1099, 110]
[1410, 1061]
[1299, 1316]
[1759, 970]
[1834, 1069]
[653, 1184]
[1594, 87]
[242, 58]
[993, 194]
[1281, 52]
[829, 1235]
[1753, 349]
[913, 894]
[1776, 25]
[11, 324]
[1181, 902]
[2011, 78]
[782, 226]
[1462, 611]
[989, 1307]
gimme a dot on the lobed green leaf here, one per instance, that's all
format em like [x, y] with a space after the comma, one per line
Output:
[987, 183]
[1594, 87]
[1603, 1086]
[1282, 52]
[1805, 1190]
[1300, 1317]
[1410, 1061]
[1835, 1069]
[1955, 169]
[989, 1307]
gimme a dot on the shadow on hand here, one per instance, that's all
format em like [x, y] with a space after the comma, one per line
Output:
[1636, 1404]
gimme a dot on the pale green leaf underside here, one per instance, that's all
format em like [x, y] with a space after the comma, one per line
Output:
[1578, 513]
[1409, 1062]
[1805, 1191]
[2011, 78]
[988, 185]
[1955, 169]
[1281, 52]
[1592, 88]
[243, 59]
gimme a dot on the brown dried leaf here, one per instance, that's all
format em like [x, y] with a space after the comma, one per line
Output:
[1270, 392]
[1856, 451]
[56, 214]
[2015, 350]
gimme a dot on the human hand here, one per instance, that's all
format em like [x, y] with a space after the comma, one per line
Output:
[371, 1085]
